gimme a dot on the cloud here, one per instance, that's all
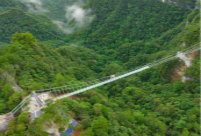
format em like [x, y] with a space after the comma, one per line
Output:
[81, 16]
[34, 6]
[61, 26]
[75, 18]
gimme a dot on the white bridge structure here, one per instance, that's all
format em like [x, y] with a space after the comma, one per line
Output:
[70, 90]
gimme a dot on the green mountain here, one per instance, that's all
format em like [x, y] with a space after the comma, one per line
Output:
[16, 20]
[188, 4]
[7, 5]
[119, 22]
[186, 33]
[123, 35]
[55, 9]
[36, 66]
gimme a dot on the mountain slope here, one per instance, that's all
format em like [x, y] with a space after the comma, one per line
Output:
[188, 4]
[16, 20]
[184, 35]
[34, 66]
[119, 22]
[7, 5]
[148, 103]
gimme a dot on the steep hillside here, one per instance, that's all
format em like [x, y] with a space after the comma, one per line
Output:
[7, 5]
[119, 22]
[188, 4]
[35, 66]
[53, 9]
[130, 33]
[115, 22]
[146, 103]
[16, 20]
[57, 9]
[184, 35]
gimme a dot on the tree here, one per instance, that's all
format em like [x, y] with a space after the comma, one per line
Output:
[11, 127]
[23, 118]
[184, 132]
[112, 69]
[36, 86]
[105, 111]
[186, 104]
[86, 123]
[14, 99]
[178, 86]
[100, 125]
[87, 132]
[25, 39]
[21, 128]
[97, 108]
[181, 124]
[94, 100]
[2, 106]
[59, 79]
[7, 91]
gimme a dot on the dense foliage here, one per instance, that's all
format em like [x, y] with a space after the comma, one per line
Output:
[119, 22]
[57, 9]
[7, 5]
[188, 4]
[129, 33]
[37, 66]
[138, 53]
[145, 104]
[16, 20]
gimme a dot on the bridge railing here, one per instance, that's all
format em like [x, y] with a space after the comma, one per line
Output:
[129, 72]
[83, 86]
[20, 105]
[77, 86]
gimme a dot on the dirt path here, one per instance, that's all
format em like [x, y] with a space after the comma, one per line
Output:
[76, 133]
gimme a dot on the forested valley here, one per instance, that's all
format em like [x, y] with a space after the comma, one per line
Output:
[48, 48]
